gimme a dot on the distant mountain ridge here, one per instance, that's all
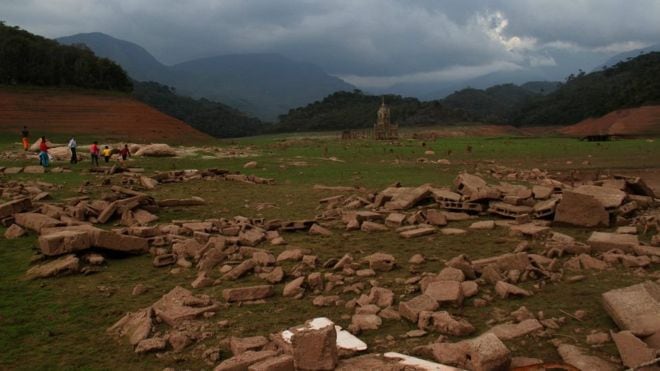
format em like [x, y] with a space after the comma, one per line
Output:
[622, 57]
[264, 85]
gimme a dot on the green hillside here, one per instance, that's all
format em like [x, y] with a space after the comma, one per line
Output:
[355, 110]
[27, 59]
[210, 117]
[627, 84]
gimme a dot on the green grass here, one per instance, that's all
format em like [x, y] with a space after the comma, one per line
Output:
[61, 323]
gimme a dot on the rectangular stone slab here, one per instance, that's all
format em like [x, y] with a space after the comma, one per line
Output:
[247, 293]
[635, 308]
[16, 206]
[603, 241]
[609, 197]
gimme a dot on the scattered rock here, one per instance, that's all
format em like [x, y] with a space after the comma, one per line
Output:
[14, 231]
[242, 345]
[417, 259]
[598, 338]
[316, 229]
[247, 293]
[245, 360]
[134, 326]
[294, 287]
[315, 348]
[444, 323]
[445, 292]
[635, 308]
[410, 309]
[381, 262]
[361, 322]
[180, 304]
[150, 345]
[504, 290]
[575, 356]
[581, 210]
[508, 331]
[485, 352]
[61, 265]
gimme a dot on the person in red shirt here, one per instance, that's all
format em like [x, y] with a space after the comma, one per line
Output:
[43, 152]
[94, 152]
[124, 153]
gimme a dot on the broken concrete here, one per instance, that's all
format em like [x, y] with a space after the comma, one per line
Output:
[508, 331]
[64, 242]
[576, 357]
[410, 309]
[485, 352]
[35, 222]
[603, 241]
[633, 351]
[180, 304]
[581, 210]
[249, 293]
[135, 326]
[61, 265]
[635, 308]
[315, 348]
[444, 323]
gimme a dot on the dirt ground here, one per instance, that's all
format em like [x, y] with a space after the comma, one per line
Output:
[100, 115]
[626, 122]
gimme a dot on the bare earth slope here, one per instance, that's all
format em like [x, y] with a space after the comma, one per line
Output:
[627, 122]
[57, 111]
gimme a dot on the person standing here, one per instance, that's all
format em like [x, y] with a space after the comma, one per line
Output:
[72, 148]
[43, 152]
[107, 153]
[94, 152]
[25, 134]
[124, 153]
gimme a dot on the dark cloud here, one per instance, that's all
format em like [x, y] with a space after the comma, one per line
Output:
[367, 41]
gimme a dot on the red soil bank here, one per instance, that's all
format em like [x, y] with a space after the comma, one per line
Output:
[56, 111]
[627, 122]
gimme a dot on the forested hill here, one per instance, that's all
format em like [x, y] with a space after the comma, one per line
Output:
[28, 59]
[210, 117]
[627, 84]
[489, 104]
[354, 110]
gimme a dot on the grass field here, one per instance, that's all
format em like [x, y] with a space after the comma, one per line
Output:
[60, 323]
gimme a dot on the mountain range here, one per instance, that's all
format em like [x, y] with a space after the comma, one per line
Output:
[264, 85]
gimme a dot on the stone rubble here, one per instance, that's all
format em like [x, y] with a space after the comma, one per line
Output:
[235, 249]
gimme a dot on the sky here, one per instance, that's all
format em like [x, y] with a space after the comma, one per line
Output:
[370, 43]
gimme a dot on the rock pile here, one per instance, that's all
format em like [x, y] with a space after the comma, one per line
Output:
[231, 249]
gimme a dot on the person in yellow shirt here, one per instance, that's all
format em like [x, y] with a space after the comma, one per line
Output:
[107, 152]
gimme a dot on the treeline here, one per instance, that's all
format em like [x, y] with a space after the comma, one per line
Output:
[497, 103]
[355, 110]
[27, 59]
[631, 83]
[210, 117]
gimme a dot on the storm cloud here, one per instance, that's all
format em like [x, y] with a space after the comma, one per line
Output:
[371, 43]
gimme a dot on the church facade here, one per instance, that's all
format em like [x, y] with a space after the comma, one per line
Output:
[384, 129]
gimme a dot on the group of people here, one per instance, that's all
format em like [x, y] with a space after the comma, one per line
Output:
[94, 150]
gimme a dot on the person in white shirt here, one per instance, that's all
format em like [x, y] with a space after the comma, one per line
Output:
[72, 148]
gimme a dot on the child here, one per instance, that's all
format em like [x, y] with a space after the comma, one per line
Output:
[43, 152]
[107, 152]
[124, 153]
[24, 138]
[94, 152]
